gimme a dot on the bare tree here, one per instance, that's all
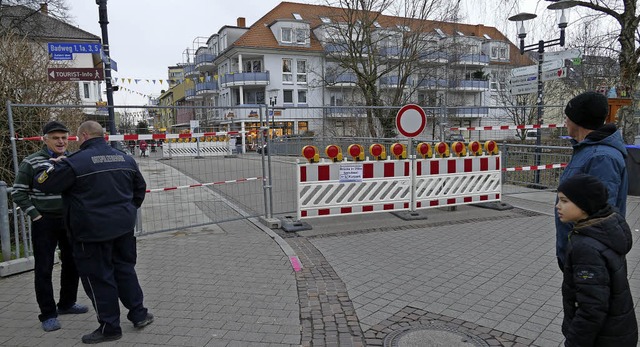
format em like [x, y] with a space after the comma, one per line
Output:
[382, 55]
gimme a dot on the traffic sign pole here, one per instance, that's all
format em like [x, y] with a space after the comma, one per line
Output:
[103, 20]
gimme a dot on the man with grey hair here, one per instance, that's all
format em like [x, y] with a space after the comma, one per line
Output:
[102, 190]
[48, 231]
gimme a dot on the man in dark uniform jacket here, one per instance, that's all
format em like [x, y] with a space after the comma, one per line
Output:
[102, 189]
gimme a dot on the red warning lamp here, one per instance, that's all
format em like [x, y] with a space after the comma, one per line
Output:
[475, 148]
[459, 149]
[491, 147]
[334, 153]
[424, 150]
[311, 153]
[442, 150]
[356, 152]
[378, 152]
[399, 151]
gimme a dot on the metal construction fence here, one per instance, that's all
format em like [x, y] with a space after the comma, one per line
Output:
[252, 170]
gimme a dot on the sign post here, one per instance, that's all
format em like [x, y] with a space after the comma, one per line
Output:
[410, 122]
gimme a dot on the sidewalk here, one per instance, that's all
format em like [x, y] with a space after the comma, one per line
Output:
[480, 276]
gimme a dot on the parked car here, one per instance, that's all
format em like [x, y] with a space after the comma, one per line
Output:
[455, 137]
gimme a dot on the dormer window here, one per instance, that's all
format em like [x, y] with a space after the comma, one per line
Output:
[459, 33]
[297, 16]
[287, 35]
[440, 33]
[325, 20]
[377, 25]
[487, 36]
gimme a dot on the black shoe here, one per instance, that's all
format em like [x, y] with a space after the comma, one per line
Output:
[143, 323]
[97, 336]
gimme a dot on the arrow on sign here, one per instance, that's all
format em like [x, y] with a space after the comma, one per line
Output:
[524, 89]
[520, 80]
[533, 69]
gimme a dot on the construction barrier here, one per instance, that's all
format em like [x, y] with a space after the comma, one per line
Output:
[194, 149]
[331, 188]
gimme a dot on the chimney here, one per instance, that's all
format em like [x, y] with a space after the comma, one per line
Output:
[44, 9]
[242, 22]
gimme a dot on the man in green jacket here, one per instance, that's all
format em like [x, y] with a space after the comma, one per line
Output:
[48, 231]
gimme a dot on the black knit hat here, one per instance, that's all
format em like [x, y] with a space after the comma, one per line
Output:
[586, 191]
[588, 110]
[54, 126]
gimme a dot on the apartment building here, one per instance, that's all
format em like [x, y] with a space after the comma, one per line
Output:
[300, 58]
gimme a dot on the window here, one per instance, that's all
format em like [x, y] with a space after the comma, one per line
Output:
[325, 20]
[286, 35]
[252, 66]
[301, 36]
[287, 95]
[287, 76]
[85, 87]
[297, 16]
[254, 97]
[302, 96]
[301, 71]
[336, 99]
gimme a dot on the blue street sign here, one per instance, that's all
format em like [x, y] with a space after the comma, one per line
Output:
[114, 65]
[69, 47]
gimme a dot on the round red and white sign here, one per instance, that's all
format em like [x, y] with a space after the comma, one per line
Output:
[411, 120]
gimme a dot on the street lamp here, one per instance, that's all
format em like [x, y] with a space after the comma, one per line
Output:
[104, 20]
[563, 6]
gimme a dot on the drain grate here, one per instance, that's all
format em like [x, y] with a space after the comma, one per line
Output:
[433, 335]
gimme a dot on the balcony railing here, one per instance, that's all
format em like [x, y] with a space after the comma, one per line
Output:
[434, 57]
[432, 83]
[470, 84]
[190, 94]
[469, 59]
[244, 78]
[391, 81]
[340, 80]
[207, 87]
[190, 70]
[204, 59]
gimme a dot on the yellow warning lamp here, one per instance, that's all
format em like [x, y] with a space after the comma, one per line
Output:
[424, 150]
[475, 148]
[378, 151]
[459, 149]
[334, 153]
[442, 150]
[311, 153]
[491, 147]
[399, 150]
[356, 152]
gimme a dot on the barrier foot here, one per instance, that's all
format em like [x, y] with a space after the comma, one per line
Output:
[291, 225]
[409, 215]
[271, 223]
[16, 266]
[494, 205]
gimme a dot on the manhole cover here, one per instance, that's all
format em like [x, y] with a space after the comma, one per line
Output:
[433, 336]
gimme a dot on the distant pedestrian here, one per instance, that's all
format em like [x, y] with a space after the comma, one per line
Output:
[47, 231]
[102, 189]
[143, 148]
[598, 150]
[597, 302]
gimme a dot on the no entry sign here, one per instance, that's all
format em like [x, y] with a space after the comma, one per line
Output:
[411, 120]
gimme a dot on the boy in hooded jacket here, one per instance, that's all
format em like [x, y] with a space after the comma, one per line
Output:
[597, 302]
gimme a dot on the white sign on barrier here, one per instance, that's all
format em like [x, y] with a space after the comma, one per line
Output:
[351, 173]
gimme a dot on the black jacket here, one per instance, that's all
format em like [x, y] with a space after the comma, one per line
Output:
[598, 308]
[101, 189]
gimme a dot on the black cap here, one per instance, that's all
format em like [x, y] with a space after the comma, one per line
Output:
[586, 191]
[54, 126]
[588, 110]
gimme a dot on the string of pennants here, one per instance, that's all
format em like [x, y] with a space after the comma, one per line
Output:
[134, 92]
[161, 81]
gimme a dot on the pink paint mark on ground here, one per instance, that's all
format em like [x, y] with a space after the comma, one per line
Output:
[295, 262]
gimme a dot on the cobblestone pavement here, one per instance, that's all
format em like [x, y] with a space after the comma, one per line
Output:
[365, 281]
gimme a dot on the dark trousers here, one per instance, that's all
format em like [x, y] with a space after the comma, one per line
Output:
[47, 233]
[107, 271]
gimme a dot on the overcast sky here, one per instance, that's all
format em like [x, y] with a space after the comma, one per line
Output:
[146, 36]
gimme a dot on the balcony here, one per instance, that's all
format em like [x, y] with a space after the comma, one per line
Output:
[434, 57]
[190, 94]
[433, 83]
[190, 70]
[346, 79]
[470, 84]
[204, 61]
[394, 82]
[207, 88]
[393, 52]
[467, 112]
[475, 60]
[244, 79]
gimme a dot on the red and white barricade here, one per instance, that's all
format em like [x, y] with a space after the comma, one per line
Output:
[331, 189]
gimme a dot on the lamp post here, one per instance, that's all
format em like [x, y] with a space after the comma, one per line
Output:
[104, 20]
[563, 6]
